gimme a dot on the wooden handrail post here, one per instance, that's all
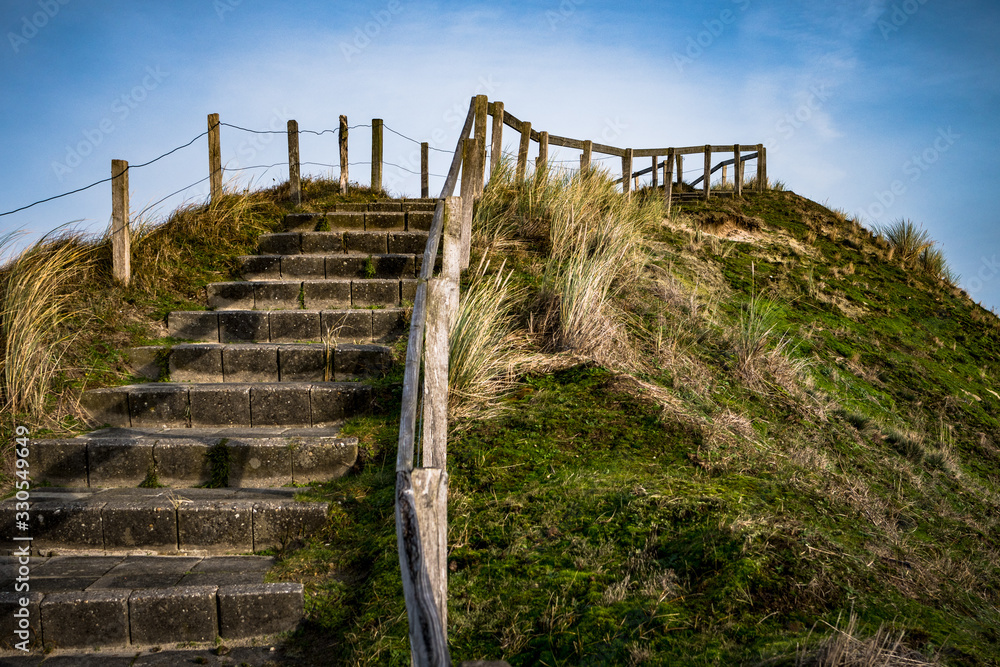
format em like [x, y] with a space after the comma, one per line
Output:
[668, 179]
[522, 151]
[588, 153]
[425, 186]
[294, 183]
[376, 155]
[214, 156]
[737, 172]
[482, 116]
[470, 151]
[656, 171]
[627, 172]
[707, 185]
[761, 168]
[496, 136]
[430, 492]
[680, 168]
[121, 244]
[542, 161]
[342, 140]
[724, 168]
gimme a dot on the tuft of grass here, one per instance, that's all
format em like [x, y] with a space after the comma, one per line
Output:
[219, 459]
[907, 239]
[480, 357]
[845, 647]
[37, 289]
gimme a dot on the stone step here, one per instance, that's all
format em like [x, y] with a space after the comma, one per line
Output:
[371, 221]
[116, 601]
[247, 404]
[289, 326]
[311, 294]
[115, 458]
[260, 362]
[87, 521]
[328, 243]
[318, 267]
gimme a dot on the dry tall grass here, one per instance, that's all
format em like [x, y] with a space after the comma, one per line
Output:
[37, 301]
[845, 649]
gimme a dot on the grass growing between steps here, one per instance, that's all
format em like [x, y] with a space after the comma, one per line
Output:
[790, 455]
[66, 323]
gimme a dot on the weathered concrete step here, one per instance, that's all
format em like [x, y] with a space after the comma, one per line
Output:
[311, 294]
[318, 267]
[331, 243]
[206, 404]
[158, 521]
[127, 458]
[288, 326]
[371, 221]
[260, 362]
[116, 601]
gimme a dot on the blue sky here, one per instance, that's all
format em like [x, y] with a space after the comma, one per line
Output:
[886, 109]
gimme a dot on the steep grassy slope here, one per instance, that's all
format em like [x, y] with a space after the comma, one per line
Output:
[773, 424]
[803, 429]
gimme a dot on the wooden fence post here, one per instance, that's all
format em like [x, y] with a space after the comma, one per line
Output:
[425, 187]
[627, 172]
[470, 153]
[588, 153]
[121, 244]
[680, 168]
[376, 155]
[294, 182]
[737, 172]
[542, 161]
[724, 168]
[496, 136]
[451, 255]
[343, 155]
[522, 151]
[761, 168]
[707, 185]
[214, 156]
[656, 171]
[668, 179]
[430, 494]
[482, 115]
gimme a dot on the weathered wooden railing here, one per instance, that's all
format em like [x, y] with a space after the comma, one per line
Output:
[674, 156]
[422, 492]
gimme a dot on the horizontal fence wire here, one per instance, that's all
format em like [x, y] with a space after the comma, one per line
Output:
[105, 180]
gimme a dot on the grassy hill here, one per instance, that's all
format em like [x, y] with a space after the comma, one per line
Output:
[750, 432]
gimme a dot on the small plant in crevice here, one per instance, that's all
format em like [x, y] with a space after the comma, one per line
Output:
[152, 480]
[219, 459]
[370, 270]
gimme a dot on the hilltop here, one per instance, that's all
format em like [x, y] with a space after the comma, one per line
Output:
[749, 431]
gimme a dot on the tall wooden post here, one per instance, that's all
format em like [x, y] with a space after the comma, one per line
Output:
[542, 161]
[376, 154]
[761, 168]
[470, 154]
[482, 116]
[294, 183]
[425, 188]
[724, 168]
[656, 172]
[522, 151]
[588, 153]
[707, 185]
[627, 172]
[737, 172]
[121, 244]
[496, 136]
[214, 156]
[680, 168]
[343, 154]
[668, 179]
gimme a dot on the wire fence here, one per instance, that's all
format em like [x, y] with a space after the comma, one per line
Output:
[317, 133]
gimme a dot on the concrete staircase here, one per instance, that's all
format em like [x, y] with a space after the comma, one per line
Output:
[150, 531]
